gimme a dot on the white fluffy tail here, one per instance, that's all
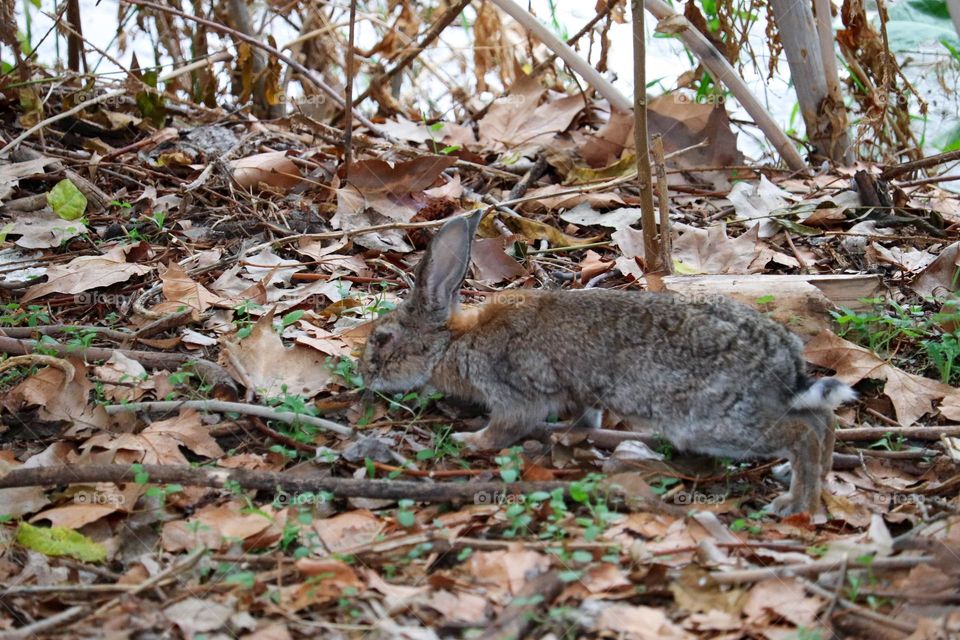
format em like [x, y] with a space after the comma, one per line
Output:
[824, 394]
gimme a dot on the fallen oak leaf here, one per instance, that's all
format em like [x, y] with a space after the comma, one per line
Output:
[912, 395]
[88, 272]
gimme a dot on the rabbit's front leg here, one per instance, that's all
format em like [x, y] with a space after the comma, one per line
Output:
[501, 431]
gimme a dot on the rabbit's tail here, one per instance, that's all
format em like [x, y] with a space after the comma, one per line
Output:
[824, 394]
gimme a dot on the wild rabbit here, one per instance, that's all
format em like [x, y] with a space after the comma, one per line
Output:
[714, 377]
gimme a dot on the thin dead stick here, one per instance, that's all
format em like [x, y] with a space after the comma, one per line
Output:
[220, 56]
[869, 614]
[268, 481]
[720, 69]
[811, 568]
[666, 250]
[190, 560]
[919, 433]
[348, 94]
[220, 406]
[312, 77]
[923, 163]
[653, 260]
[40, 627]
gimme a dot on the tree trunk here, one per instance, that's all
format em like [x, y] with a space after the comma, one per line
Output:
[817, 88]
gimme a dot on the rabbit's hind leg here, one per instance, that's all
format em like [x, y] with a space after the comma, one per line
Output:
[805, 453]
[826, 450]
[590, 418]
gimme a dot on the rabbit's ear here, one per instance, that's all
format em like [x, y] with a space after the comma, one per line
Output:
[444, 266]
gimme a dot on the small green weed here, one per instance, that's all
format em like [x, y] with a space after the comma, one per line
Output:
[909, 336]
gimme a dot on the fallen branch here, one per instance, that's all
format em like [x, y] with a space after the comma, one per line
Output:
[209, 372]
[918, 433]
[923, 163]
[811, 568]
[476, 492]
[220, 406]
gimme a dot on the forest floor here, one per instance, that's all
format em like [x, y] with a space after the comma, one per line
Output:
[220, 259]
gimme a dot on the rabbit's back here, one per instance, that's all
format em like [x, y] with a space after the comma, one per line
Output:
[648, 355]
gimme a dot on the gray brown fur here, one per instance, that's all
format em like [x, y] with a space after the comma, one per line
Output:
[714, 377]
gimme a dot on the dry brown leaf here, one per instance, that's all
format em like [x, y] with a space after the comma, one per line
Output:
[347, 530]
[181, 289]
[59, 399]
[333, 578]
[950, 407]
[468, 608]
[273, 168]
[510, 568]
[758, 202]
[710, 251]
[545, 201]
[491, 263]
[781, 598]
[88, 272]
[74, 516]
[519, 122]
[11, 172]
[400, 179]
[196, 617]
[19, 501]
[912, 395]
[639, 623]
[129, 378]
[44, 229]
[217, 525]
[941, 276]
[273, 369]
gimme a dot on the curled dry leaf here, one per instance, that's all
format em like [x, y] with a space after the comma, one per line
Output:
[273, 168]
[712, 251]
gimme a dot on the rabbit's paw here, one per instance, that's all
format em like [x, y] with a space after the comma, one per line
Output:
[482, 440]
[783, 505]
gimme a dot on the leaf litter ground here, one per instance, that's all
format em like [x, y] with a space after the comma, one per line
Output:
[245, 269]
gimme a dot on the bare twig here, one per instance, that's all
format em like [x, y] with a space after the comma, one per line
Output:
[110, 95]
[309, 75]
